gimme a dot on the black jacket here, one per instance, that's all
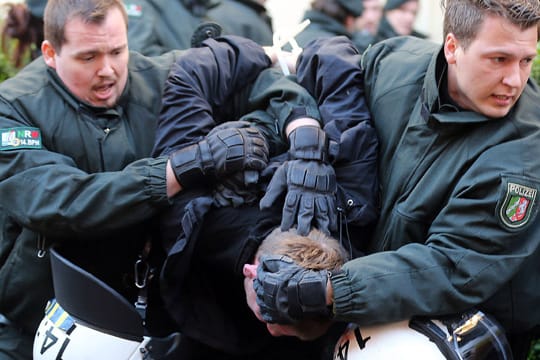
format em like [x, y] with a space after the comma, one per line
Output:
[206, 246]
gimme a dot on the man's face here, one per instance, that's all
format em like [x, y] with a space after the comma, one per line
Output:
[490, 74]
[402, 18]
[304, 330]
[371, 16]
[92, 62]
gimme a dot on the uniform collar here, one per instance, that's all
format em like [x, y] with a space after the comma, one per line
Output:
[80, 105]
[436, 102]
[326, 22]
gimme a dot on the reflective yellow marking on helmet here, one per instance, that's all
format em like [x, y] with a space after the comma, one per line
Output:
[61, 319]
[52, 311]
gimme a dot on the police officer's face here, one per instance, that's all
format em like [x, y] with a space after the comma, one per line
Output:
[402, 18]
[490, 74]
[371, 16]
[93, 61]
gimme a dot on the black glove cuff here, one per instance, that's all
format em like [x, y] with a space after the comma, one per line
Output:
[190, 166]
[308, 143]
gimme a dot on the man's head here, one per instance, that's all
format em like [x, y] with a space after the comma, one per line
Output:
[371, 16]
[490, 46]
[343, 11]
[316, 251]
[86, 43]
[401, 14]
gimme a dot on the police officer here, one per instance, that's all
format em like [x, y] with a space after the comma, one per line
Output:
[157, 26]
[77, 130]
[367, 24]
[248, 18]
[330, 18]
[459, 223]
[398, 19]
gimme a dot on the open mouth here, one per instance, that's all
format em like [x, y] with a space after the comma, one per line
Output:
[103, 91]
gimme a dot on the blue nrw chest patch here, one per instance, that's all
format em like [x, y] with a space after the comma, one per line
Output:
[20, 138]
[134, 10]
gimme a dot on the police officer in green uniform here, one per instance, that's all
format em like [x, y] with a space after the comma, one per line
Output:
[400, 21]
[157, 26]
[248, 18]
[70, 124]
[330, 18]
[458, 130]
[77, 130]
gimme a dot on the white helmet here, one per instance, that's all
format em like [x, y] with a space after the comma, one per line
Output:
[90, 320]
[469, 336]
[60, 336]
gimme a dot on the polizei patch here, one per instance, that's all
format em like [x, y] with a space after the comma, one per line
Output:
[20, 138]
[517, 207]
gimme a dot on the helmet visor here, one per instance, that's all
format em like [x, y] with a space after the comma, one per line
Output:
[480, 337]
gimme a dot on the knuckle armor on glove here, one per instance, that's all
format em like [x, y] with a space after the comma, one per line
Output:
[309, 182]
[288, 293]
[225, 151]
[312, 176]
[237, 149]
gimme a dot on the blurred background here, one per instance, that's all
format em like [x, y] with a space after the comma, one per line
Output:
[287, 13]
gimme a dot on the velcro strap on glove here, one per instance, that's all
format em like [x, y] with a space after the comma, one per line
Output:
[308, 143]
[191, 164]
[207, 161]
[233, 144]
[307, 295]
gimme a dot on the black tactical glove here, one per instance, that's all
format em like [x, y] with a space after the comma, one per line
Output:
[309, 181]
[288, 293]
[232, 190]
[225, 150]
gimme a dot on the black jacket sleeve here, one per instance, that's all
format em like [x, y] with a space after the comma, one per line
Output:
[203, 87]
[332, 74]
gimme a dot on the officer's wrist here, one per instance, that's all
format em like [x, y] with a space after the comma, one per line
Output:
[173, 186]
[304, 121]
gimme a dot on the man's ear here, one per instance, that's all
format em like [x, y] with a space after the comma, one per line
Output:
[349, 23]
[250, 271]
[451, 45]
[49, 53]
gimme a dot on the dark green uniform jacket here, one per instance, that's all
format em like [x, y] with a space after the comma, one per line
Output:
[320, 26]
[459, 191]
[157, 26]
[73, 172]
[247, 18]
[386, 31]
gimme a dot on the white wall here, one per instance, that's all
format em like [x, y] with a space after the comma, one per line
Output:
[287, 13]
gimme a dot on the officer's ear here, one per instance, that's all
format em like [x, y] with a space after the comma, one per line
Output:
[49, 53]
[451, 45]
